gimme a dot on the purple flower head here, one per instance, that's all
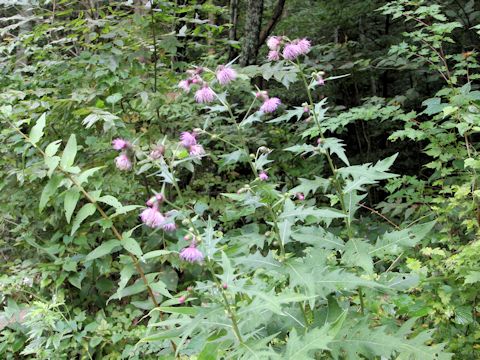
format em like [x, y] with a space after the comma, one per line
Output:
[320, 80]
[274, 42]
[196, 79]
[120, 144]
[225, 74]
[157, 152]
[300, 196]
[152, 217]
[184, 85]
[155, 200]
[191, 254]
[263, 176]
[262, 95]
[123, 162]
[169, 227]
[188, 139]
[204, 95]
[196, 150]
[304, 45]
[181, 299]
[291, 51]
[270, 105]
[273, 55]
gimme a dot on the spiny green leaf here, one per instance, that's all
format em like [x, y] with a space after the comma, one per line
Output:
[302, 347]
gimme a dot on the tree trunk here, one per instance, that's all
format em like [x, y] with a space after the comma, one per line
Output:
[251, 34]
[277, 14]
[232, 34]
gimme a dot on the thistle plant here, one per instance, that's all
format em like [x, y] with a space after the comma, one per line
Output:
[305, 267]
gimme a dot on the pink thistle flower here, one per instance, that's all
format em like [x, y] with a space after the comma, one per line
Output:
[274, 42]
[155, 200]
[291, 51]
[184, 85]
[123, 162]
[263, 176]
[225, 74]
[120, 144]
[204, 95]
[262, 95]
[196, 150]
[300, 196]
[151, 201]
[181, 299]
[304, 45]
[196, 79]
[191, 254]
[224, 286]
[273, 55]
[320, 80]
[152, 217]
[188, 139]
[270, 105]
[158, 152]
[169, 227]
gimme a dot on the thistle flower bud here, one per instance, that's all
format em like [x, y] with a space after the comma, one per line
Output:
[157, 152]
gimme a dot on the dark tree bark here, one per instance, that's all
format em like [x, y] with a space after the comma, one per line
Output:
[251, 37]
[232, 34]
[277, 14]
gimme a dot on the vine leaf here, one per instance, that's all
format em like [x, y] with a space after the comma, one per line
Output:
[85, 211]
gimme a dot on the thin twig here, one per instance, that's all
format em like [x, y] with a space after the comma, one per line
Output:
[381, 215]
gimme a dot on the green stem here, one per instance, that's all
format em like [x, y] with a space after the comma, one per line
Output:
[362, 304]
[228, 308]
[240, 135]
[335, 181]
[276, 229]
